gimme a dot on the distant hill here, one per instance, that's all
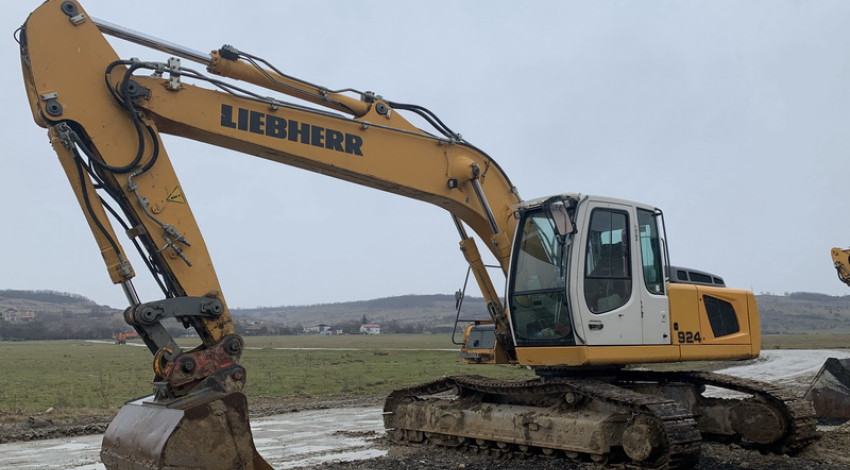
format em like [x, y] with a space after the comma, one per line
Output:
[46, 300]
[797, 312]
[437, 309]
[58, 315]
[804, 312]
[48, 314]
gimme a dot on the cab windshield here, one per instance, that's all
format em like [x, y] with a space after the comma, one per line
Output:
[539, 309]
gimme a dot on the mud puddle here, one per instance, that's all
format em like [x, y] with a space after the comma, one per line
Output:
[289, 440]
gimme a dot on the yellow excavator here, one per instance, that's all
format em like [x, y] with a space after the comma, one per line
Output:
[830, 390]
[841, 261]
[590, 290]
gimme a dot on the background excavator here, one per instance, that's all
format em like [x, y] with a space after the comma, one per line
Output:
[830, 390]
[590, 290]
[121, 338]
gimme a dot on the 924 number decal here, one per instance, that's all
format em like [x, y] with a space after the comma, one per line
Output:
[689, 337]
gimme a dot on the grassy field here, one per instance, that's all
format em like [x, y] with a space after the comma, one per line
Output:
[423, 341]
[352, 364]
[71, 374]
[38, 375]
[810, 341]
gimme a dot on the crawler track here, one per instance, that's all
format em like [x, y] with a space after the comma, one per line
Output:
[632, 422]
[797, 413]
[673, 428]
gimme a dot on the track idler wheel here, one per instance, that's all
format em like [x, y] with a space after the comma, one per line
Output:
[642, 441]
[757, 422]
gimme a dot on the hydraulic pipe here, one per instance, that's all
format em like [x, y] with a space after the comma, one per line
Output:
[147, 40]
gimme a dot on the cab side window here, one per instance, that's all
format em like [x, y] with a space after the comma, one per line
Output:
[650, 251]
[607, 274]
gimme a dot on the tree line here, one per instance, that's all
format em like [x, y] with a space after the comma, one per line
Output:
[46, 296]
[37, 330]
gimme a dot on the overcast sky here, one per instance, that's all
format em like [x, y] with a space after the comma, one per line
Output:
[732, 117]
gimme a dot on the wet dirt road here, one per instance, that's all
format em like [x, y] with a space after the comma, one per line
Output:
[286, 441]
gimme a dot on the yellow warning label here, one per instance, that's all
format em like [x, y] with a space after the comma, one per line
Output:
[177, 196]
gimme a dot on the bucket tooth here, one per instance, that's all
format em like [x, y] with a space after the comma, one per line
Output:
[206, 431]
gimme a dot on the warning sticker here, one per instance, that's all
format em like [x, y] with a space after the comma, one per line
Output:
[177, 196]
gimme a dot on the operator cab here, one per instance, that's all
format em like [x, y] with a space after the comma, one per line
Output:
[588, 270]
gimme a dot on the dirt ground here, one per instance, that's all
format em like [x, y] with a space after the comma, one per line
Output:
[714, 457]
[17, 428]
[830, 452]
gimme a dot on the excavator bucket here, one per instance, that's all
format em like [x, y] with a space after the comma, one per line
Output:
[209, 432]
[830, 391]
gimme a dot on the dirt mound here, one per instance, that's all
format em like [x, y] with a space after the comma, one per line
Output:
[38, 427]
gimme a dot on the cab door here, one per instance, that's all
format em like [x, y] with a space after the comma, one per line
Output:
[651, 274]
[607, 295]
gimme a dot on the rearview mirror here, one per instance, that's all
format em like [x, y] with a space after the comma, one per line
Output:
[563, 224]
[557, 211]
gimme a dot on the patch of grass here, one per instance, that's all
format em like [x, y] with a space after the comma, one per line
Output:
[395, 341]
[806, 341]
[687, 366]
[77, 375]
[325, 373]
[38, 375]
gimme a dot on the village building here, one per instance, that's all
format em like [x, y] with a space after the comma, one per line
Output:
[370, 329]
[12, 315]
